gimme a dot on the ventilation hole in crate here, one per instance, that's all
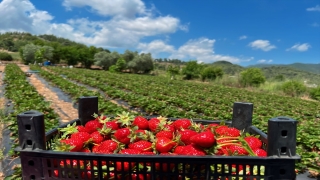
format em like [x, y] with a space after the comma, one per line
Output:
[29, 142]
[284, 133]
[28, 127]
[31, 163]
[282, 171]
[283, 150]
[32, 177]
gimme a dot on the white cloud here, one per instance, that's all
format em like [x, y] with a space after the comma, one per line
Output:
[300, 47]
[262, 61]
[119, 8]
[242, 37]
[262, 44]
[155, 47]
[316, 8]
[129, 22]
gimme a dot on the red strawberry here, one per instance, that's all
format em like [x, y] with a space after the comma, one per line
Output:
[97, 138]
[260, 152]
[130, 151]
[141, 122]
[141, 145]
[81, 128]
[237, 149]
[182, 124]
[193, 150]
[179, 149]
[84, 136]
[135, 176]
[185, 136]
[153, 124]
[108, 146]
[204, 139]
[112, 124]
[164, 144]
[92, 126]
[227, 131]
[123, 135]
[254, 142]
[72, 145]
[167, 134]
[169, 127]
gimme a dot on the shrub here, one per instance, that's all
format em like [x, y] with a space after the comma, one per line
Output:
[315, 93]
[211, 73]
[293, 88]
[5, 56]
[252, 77]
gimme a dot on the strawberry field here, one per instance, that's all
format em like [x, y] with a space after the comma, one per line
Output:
[158, 96]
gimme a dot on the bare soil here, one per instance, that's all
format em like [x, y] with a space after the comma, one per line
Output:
[65, 110]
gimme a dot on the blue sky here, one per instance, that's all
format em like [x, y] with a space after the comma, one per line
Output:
[243, 32]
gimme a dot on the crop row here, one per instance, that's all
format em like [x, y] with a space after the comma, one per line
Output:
[214, 102]
[24, 97]
[76, 91]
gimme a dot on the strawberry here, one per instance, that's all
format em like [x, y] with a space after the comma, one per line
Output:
[135, 176]
[112, 124]
[204, 139]
[141, 145]
[153, 124]
[178, 149]
[81, 128]
[83, 136]
[122, 135]
[72, 145]
[97, 138]
[167, 134]
[182, 124]
[108, 146]
[141, 135]
[227, 131]
[130, 151]
[193, 150]
[164, 144]
[253, 142]
[185, 136]
[260, 152]
[92, 126]
[237, 150]
[141, 122]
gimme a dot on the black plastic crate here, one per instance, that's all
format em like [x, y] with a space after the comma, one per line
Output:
[40, 162]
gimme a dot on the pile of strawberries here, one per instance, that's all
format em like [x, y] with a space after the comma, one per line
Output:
[126, 134]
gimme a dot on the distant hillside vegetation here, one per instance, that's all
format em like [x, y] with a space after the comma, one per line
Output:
[228, 67]
[312, 68]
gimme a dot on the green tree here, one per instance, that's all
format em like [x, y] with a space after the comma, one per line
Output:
[211, 73]
[29, 51]
[142, 63]
[105, 59]
[252, 77]
[191, 70]
[293, 88]
[315, 93]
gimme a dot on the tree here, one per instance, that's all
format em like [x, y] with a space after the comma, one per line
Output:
[28, 53]
[191, 70]
[129, 55]
[105, 59]
[142, 63]
[252, 77]
[211, 73]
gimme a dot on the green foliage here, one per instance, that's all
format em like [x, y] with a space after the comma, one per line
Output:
[279, 77]
[252, 77]
[142, 63]
[293, 88]
[191, 70]
[211, 73]
[29, 51]
[173, 71]
[105, 59]
[315, 93]
[5, 56]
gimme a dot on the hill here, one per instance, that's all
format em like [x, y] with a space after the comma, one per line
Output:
[312, 68]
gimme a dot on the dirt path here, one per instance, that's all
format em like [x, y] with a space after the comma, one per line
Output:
[2, 107]
[65, 110]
